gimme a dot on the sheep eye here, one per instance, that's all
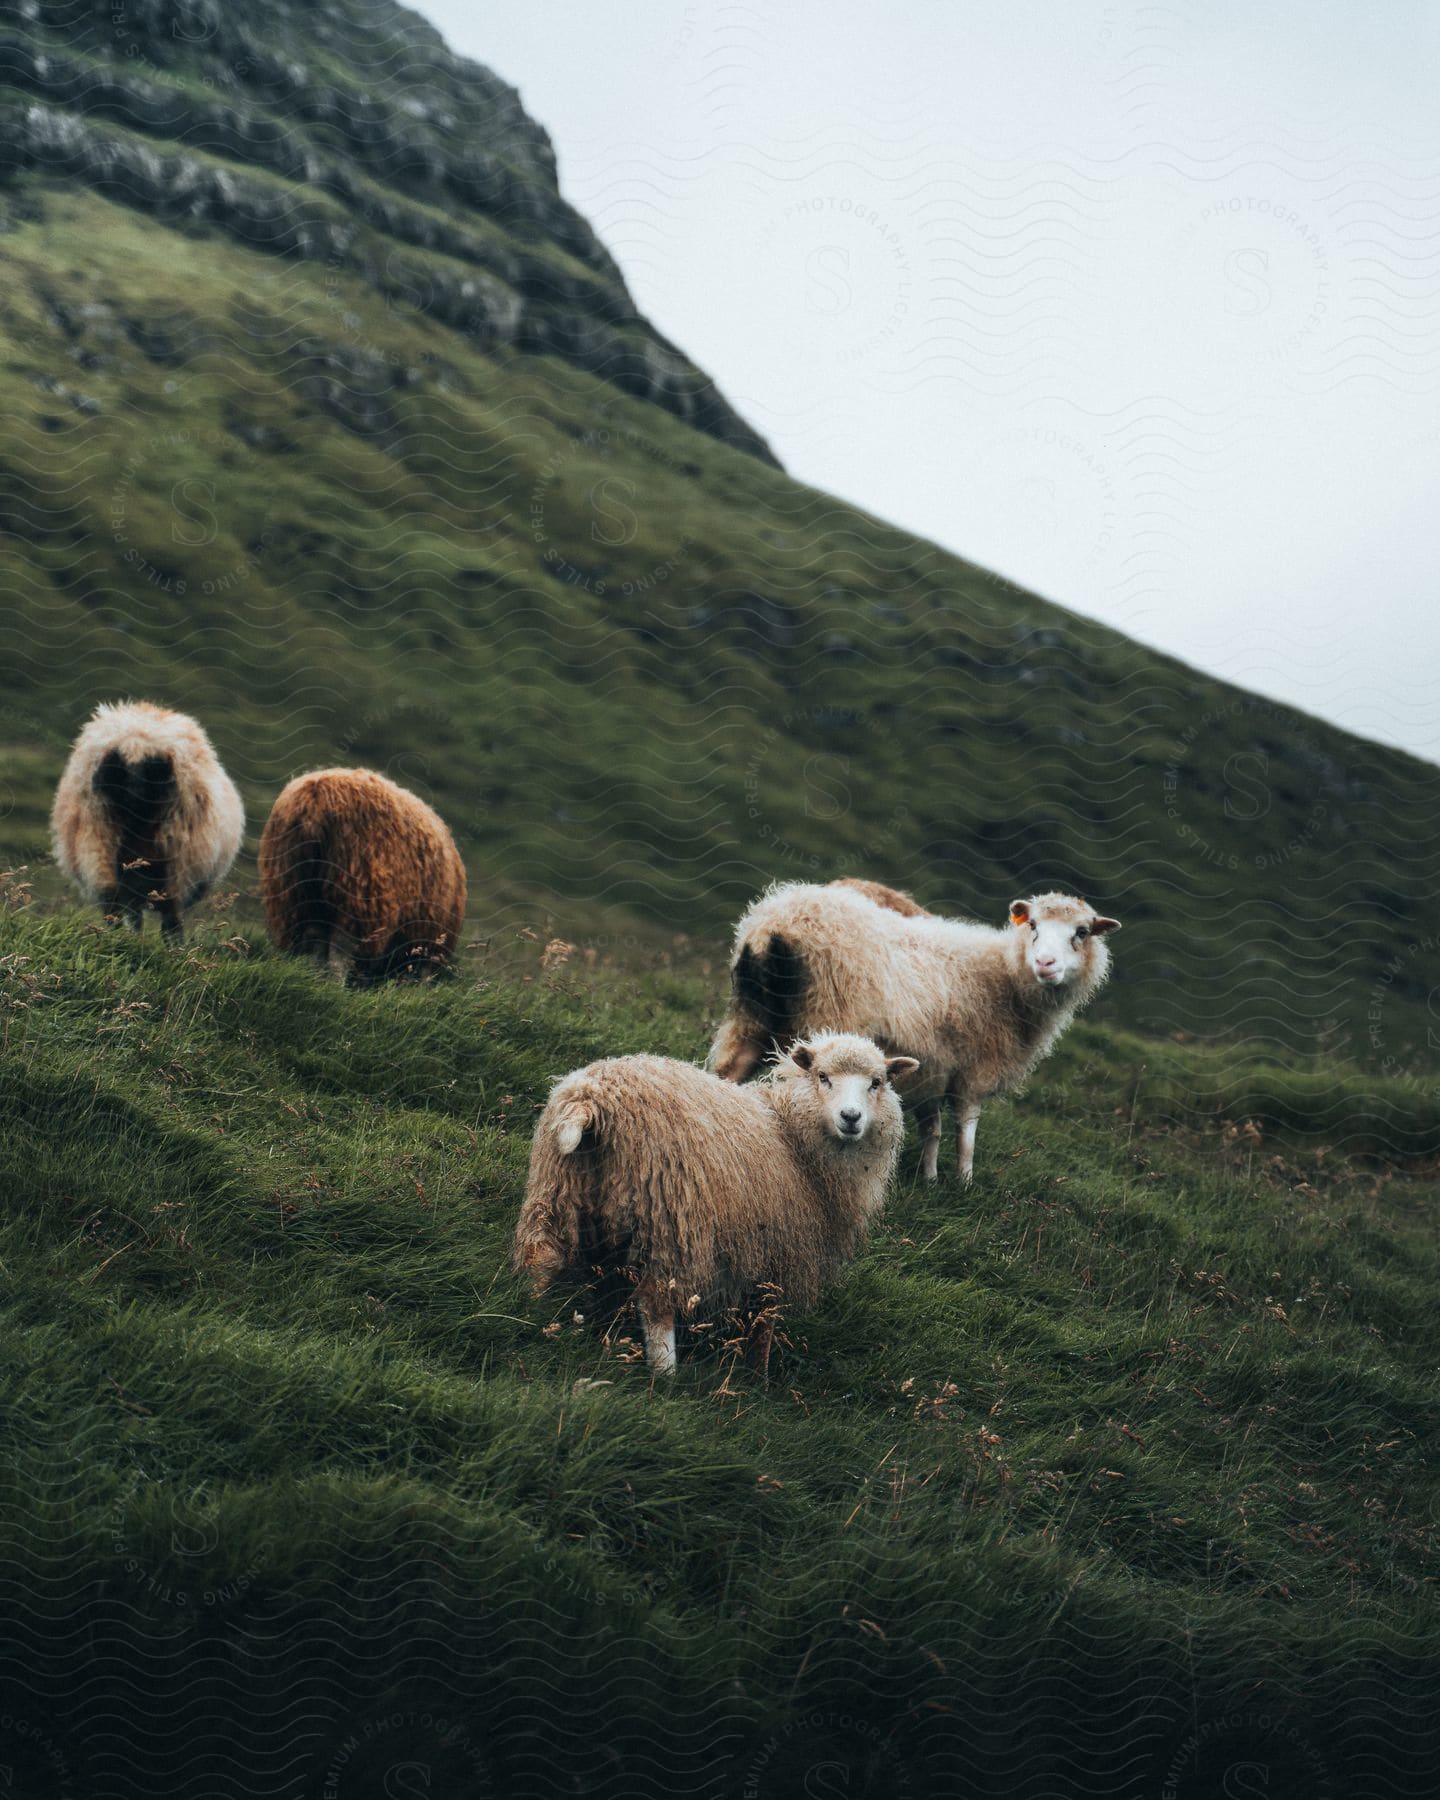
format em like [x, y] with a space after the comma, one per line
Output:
[824, 1081]
[876, 1084]
[1081, 933]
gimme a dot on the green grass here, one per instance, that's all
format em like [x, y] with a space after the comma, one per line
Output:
[640, 673]
[1137, 1431]
[1113, 1474]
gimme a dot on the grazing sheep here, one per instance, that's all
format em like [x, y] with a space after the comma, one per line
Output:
[979, 1007]
[702, 1192]
[362, 875]
[144, 814]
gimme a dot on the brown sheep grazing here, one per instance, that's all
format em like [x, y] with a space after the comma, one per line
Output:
[701, 1193]
[979, 1006]
[362, 875]
[884, 896]
[144, 814]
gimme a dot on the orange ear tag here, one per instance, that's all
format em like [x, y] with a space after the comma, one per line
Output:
[1019, 918]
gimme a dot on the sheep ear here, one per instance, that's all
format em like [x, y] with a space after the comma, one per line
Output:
[803, 1057]
[1019, 912]
[1098, 927]
[900, 1065]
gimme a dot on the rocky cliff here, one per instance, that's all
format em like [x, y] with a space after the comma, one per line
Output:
[344, 134]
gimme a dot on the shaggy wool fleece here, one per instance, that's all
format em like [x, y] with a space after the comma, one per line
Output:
[701, 1191]
[360, 873]
[144, 815]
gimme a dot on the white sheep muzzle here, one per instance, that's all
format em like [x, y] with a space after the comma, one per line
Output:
[849, 1107]
[1053, 954]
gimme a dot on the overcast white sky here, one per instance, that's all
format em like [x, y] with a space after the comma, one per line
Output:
[1135, 303]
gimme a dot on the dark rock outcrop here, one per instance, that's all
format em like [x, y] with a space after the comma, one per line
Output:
[420, 172]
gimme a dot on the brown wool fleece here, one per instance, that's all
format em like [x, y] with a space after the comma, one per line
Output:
[354, 866]
[696, 1187]
[889, 897]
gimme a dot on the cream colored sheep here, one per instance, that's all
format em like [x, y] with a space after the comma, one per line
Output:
[144, 814]
[978, 1007]
[702, 1192]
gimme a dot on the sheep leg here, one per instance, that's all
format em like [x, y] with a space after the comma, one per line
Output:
[762, 1337]
[659, 1329]
[129, 909]
[171, 928]
[967, 1118]
[735, 1053]
[314, 943]
[339, 956]
[927, 1114]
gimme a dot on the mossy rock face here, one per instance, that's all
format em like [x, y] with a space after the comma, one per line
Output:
[273, 131]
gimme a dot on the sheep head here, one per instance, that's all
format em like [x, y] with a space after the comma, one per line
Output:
[1057, 936]
[848, 1081]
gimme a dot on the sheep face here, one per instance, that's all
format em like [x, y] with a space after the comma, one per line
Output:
[850, 1081]
[1057, 934]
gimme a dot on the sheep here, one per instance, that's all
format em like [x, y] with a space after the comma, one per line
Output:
[361, 875]
[144, 814]
[701, 1192]
[980, 1007]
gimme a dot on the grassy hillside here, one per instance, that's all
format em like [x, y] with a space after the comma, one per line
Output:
[1118, 1463]
[329, 421]
[283, 478]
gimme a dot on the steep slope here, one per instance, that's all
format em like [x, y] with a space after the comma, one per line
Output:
[330, 421]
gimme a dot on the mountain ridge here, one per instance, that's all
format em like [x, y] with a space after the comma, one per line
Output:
[258, 110]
